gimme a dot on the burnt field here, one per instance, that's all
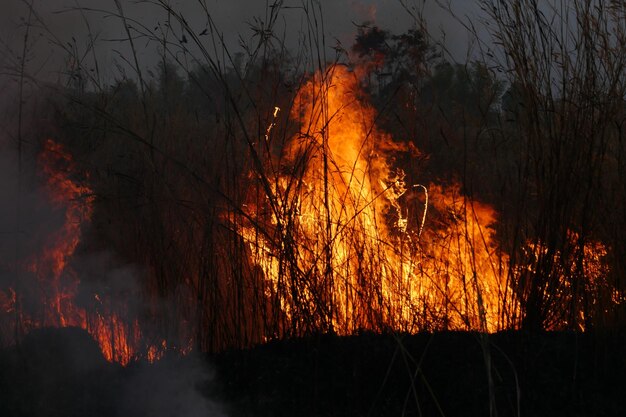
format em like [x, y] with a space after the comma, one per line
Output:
[61, 372]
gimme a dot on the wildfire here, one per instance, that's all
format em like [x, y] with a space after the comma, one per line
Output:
[339, 241]
[58, 284]
[577, 279]
[49, 266]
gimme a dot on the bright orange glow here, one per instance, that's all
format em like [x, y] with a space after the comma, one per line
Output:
[332, 235]
[463, 271]
[578, 280]
[338, 232]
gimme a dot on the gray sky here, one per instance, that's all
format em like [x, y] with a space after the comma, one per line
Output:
[59, 24]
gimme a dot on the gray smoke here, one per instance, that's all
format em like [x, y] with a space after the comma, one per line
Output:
[171, 387]
[61, 372]
[27, 219]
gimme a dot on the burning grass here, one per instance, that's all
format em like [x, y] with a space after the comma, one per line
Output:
[281, 195]
[333, 232]
[56, 299]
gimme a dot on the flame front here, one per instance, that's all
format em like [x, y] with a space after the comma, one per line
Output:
[338, 235]
[336, 239]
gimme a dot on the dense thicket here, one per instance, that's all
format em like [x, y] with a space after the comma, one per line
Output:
[534, 128]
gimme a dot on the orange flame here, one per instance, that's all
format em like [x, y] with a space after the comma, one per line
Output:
[119, 340]
[578, 281]
[50, 265]
[336, 238]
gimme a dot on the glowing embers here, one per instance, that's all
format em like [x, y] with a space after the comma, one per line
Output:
[341, 240]
[568, 282]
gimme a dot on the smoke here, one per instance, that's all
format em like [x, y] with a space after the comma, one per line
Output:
[103, 274]
[171, 387]
[364, 12]
[64, 369]
[26, 217]
[62, 372]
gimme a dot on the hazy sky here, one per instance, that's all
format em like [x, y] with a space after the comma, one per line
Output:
[60, 24]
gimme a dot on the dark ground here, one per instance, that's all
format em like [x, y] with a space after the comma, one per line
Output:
[60, 372]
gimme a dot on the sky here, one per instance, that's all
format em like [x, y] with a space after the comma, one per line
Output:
[59, 26]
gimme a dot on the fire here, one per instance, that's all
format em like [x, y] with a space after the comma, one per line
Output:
[49, 266]
[577, 280]
[58, 284]
[345, 244]
[463, 271]
[339, 238]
